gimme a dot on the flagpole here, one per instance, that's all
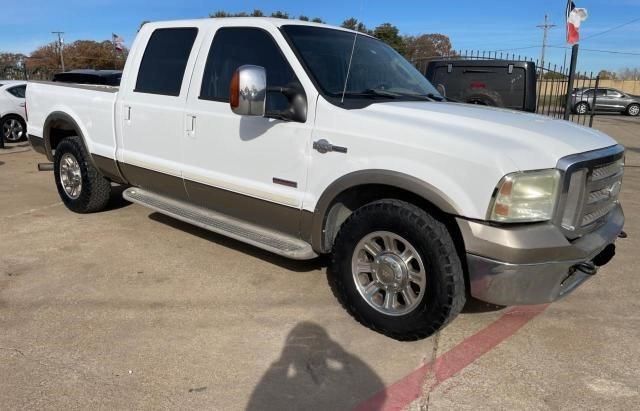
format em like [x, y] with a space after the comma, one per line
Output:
[572, 77]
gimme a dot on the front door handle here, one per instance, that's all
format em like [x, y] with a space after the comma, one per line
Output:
[322, 146]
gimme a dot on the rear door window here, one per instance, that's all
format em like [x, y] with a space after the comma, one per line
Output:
[165, 60]
[18, 91]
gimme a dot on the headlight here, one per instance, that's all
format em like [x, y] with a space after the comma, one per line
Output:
[525, 197]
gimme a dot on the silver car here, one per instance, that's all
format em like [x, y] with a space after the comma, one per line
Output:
[607, 100]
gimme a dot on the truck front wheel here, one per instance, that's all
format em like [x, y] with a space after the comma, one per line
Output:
[396, 270]
[80, 185]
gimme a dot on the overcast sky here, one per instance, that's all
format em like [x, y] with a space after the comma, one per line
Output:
[471, 24]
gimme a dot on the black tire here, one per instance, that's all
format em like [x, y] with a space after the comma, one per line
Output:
[20, 120]
[444, 295]
[582, 108]
[482, 101]
[95, 189]
[633, 110]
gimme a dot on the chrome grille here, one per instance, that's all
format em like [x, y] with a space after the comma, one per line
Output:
[595, 215]
[606, 170]
[603, 188]
[591, 187]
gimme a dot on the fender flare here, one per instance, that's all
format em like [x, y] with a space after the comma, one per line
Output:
[46, 131]
[379, 177]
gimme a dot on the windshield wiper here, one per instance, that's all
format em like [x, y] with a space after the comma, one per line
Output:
[373, 93]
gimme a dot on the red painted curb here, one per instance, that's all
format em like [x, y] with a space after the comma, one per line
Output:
[403, 392]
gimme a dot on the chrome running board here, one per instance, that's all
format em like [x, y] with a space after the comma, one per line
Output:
[260, 237]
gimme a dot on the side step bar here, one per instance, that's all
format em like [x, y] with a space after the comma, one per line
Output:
[260, 237]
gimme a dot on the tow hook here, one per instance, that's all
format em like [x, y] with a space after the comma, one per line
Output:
[45, 166]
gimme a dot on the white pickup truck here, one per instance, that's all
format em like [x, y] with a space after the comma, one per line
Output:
[304, 139]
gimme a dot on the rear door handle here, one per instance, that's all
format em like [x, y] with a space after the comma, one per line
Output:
[191, 123]
[322, 146]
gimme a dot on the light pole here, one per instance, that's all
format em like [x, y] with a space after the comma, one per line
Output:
[546, 26]
[60, 46]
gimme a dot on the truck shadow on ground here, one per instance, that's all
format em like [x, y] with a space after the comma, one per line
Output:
[116, 201]
[314, 373]
[472, 306]
[292, 265]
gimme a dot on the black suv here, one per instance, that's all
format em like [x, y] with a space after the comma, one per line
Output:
[498, 83]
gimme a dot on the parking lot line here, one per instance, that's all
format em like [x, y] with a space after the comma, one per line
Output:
[403, 392]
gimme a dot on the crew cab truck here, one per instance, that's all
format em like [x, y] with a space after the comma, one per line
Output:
[304, 139]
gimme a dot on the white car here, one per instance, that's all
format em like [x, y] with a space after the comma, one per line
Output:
[304, 139]
[12, 110]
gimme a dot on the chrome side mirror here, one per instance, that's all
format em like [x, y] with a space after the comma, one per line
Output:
[248, 91]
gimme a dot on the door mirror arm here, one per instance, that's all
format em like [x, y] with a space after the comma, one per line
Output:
[297, 107]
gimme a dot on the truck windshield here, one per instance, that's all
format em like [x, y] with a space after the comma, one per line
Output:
[378, 72]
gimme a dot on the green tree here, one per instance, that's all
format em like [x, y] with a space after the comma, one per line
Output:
[303, 18]
[353, 24]
[390, 34]
[220, 13]
[317, 20]
[257, 13]
[280, 14]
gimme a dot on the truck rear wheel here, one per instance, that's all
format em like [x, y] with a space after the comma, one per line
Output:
[396, 270]
[80, 185]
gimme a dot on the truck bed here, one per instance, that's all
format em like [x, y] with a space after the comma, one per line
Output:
[91, 107]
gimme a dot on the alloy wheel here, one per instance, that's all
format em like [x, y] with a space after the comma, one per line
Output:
[389, 273]
[12, 130]
[70, 176]
[582, 108]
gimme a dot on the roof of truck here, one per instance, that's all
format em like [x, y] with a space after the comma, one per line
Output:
[274, 21]
[7, 83]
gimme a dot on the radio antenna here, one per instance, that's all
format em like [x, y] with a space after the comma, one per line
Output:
[353, 48]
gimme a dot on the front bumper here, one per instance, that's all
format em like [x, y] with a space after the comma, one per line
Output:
[531, 264]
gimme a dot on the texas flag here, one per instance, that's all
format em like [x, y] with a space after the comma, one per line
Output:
[118, 42]
[575, 17]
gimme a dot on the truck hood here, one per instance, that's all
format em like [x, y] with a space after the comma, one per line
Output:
[530, 141]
